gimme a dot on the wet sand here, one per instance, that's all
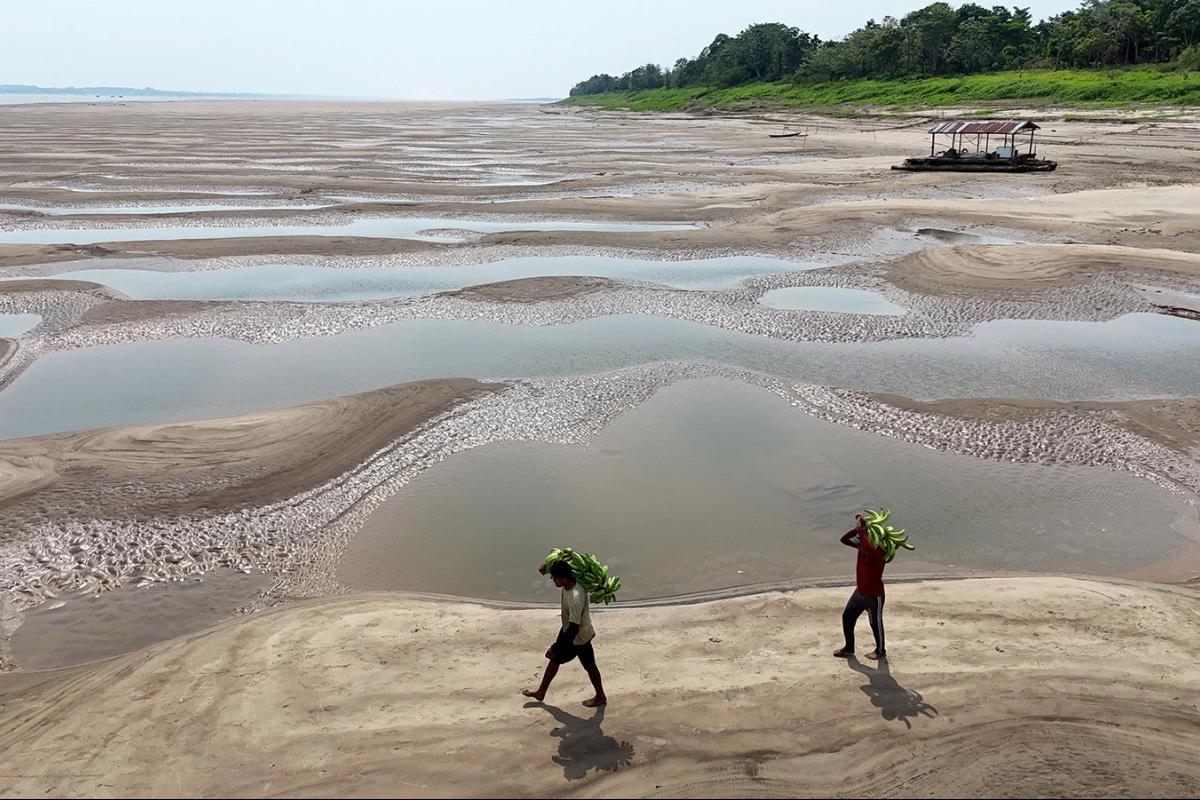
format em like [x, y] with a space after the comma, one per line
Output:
[38, 285]
[1009, 687]
[990, 269]
[534, 290]
[1172, 423]
[16, 255]
[754, 192]
[79, 629]
[210, 466]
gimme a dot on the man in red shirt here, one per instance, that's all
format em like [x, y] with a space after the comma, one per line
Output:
[868, 592]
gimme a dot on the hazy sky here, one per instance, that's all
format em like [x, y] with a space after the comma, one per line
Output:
[432, 49]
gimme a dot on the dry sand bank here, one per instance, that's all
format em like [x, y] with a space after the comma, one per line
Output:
[1151, 217]
[1155, 217]
[210, 466]
[534, 290]
[758, 193]
[286, 151]
[1172, 423]
[996, 687]
[13, 255]
[995, 269]
[16, 255]
[117, 312]
[283, 152]
[34, 285]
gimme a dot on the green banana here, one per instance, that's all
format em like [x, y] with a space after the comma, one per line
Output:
[560, 554]
[885, 537]
[589, 572]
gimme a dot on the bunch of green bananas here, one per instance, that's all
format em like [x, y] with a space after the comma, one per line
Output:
[589, 573]
[885, 537]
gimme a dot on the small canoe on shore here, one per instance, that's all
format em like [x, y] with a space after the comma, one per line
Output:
[786, 135]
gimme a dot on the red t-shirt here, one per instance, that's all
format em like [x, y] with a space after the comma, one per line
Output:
[869, 574]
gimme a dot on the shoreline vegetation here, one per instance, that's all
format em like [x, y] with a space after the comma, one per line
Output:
[1076, 88]
[1105, 53]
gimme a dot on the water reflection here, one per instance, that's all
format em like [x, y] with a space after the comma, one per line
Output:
[713, 484]
[419, 228]
[320, 284]
[57, 211]
[13, 325]
[1138, 356]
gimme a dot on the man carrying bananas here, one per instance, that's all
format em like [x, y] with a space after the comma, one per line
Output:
[868, 591]
[575, 637]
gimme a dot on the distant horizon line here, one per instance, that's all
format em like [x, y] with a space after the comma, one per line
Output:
[149, 91]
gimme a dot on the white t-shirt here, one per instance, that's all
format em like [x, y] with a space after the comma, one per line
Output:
[575, 608]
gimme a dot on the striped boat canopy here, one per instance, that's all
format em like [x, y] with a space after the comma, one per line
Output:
[980, 146]
[1001, 127]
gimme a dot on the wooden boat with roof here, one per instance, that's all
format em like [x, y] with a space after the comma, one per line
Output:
[970, 148]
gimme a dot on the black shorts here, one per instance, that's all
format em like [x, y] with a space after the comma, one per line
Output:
[587, 656]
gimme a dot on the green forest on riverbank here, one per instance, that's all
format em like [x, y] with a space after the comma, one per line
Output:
[1076, 88]
[1108, 52]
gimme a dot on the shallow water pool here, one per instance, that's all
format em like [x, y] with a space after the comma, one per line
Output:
[13, 325]
[1139, 356]
[714, 484]
[306, 283]
[428, 229]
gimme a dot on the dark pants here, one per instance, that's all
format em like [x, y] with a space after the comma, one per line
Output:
[857, 604]
[587, 656]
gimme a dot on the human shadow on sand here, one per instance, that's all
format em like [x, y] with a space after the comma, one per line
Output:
[892, 699]
[582, 746]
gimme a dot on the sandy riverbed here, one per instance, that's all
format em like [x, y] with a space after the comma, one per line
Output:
[1173, 423]
[1117, 184]
[1006, 687]
[534, 290]
[991, 269]
[211, 466]
[1009, 685]
[1126, 193]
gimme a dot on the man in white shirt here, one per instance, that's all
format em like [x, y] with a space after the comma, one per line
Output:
[575, 637]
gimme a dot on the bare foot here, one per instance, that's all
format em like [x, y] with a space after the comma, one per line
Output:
[842, 652]
[539, 696]
[595, 702]
[874, 655]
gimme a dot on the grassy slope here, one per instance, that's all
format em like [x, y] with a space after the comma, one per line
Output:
[1084, 88]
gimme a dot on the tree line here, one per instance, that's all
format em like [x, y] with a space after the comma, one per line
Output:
[936, 40]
